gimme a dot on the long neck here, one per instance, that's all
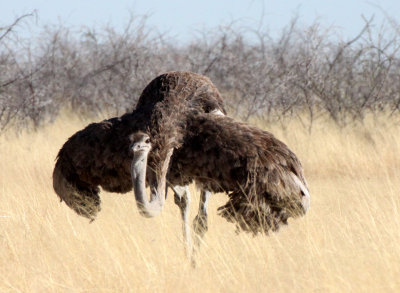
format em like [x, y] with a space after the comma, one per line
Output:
[157, 197]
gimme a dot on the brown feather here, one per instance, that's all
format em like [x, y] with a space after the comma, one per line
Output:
[251, 165]
[99, 154]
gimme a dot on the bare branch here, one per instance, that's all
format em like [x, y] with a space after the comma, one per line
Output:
[16, 21]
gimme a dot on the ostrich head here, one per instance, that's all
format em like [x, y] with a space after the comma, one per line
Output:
[141, 147]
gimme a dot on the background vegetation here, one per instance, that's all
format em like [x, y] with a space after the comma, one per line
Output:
[308, 70]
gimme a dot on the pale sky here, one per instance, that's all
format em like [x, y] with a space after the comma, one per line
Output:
[181, 19]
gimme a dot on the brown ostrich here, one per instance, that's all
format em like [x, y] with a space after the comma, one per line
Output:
[99, 154]
[262, 176]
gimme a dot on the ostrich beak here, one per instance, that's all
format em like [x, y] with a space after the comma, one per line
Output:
[140, 147]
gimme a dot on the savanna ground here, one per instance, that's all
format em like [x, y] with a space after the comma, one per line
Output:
[348, 242]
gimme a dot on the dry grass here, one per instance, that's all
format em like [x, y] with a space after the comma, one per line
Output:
[348, 242]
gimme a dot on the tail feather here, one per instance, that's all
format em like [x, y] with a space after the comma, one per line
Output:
[253, 215]
[80, 197]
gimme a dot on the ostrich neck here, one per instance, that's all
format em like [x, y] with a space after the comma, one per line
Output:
[157, 197]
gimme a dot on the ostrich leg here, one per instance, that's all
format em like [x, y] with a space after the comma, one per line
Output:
[182, 200]
[200, 222]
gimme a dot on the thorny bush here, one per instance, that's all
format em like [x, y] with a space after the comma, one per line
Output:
[304, 70]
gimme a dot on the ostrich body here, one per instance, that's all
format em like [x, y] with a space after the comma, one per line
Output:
[99, 154]
[262, 176]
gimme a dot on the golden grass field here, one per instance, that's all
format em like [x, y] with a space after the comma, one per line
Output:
[348, 242]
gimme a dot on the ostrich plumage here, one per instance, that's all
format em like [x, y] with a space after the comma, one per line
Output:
[99, 154]
[263, 177]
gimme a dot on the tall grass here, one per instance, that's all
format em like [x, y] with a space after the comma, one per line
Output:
[348, 242]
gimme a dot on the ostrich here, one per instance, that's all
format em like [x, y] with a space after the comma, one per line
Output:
[262, 176]
[99, 154]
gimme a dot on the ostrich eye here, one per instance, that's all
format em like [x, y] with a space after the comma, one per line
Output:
[147, 140]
